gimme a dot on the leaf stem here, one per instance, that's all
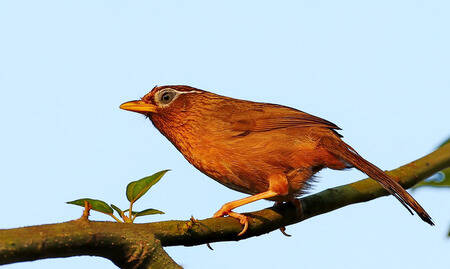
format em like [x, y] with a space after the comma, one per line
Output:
[114, 217]
[130, 214]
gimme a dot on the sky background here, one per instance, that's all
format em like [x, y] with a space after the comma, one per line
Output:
[378, 69]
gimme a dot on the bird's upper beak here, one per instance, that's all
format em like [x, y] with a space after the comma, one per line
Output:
[139, 107]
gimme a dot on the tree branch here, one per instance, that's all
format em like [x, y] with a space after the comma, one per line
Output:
[139, 245]
[127, 248]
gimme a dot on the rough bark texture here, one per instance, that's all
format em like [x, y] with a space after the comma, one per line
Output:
[140, 245]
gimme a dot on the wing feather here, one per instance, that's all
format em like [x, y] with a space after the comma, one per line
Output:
[264, 119]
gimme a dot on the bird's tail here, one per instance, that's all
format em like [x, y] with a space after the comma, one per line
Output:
[340, 149]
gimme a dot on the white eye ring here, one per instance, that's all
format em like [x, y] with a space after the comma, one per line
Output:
[166, 96]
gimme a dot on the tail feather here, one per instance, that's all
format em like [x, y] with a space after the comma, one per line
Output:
[339, 148]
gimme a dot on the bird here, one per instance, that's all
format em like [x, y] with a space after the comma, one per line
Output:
[268, 151]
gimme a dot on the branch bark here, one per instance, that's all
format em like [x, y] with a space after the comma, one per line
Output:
[128, 248]
[140, 245]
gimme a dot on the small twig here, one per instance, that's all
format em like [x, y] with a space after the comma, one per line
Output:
[130, 214]
[86, 211]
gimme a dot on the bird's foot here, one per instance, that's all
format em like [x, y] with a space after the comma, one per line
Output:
[242, 218]
[298, 206]
[282, 229]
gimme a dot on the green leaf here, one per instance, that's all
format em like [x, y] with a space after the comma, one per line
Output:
[149, 211]
[96, 205]
[137, 189]
[118, 210]
[143, 212]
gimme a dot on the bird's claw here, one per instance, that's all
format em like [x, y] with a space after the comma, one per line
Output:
[242, 218]
[283, 231]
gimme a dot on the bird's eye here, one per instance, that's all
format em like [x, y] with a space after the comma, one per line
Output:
[167, 97]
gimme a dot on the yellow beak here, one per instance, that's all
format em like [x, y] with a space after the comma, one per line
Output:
[138, 106]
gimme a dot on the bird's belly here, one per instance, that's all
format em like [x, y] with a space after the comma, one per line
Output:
[245, 164]
[236, 169]
[232, 173]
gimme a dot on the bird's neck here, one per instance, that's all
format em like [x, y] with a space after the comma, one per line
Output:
[182, 133]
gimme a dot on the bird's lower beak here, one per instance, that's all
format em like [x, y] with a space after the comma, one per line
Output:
[138, 106]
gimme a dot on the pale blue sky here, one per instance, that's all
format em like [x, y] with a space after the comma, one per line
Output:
[378, 69]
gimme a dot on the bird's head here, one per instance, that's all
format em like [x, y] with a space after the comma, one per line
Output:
[164, 100]
[177, 111]
[176, 107]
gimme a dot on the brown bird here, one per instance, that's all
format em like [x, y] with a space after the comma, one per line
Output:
[266, 150]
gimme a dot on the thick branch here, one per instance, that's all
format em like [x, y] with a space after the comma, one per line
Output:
[270, 219]
[128, 248]
[134, 245]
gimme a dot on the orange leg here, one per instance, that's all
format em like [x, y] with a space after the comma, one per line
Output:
[227, 208]
[278, 185]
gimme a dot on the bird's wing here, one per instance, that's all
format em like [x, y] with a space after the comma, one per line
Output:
[276, 117]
